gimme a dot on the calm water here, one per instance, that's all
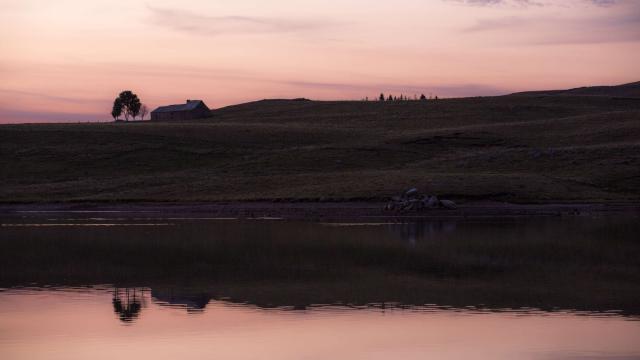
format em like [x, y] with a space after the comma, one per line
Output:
[215, 288]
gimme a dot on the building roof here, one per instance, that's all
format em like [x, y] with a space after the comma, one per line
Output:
[188, 106]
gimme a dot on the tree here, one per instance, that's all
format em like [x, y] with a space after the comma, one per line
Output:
[422, 97]
[381, 96]
[116, 111]
[130, 104]
[390, 98]
[143, 111]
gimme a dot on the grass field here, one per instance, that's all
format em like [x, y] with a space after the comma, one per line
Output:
[523, 148]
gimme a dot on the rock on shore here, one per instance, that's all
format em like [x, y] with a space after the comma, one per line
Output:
[413, 200]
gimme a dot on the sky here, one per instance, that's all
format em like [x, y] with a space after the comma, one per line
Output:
[66, 60]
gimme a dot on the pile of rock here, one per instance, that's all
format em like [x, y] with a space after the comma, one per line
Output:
[412, 200]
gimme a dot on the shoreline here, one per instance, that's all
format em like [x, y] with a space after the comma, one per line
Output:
[315, 211]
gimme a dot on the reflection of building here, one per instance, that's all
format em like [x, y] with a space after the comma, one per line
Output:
[191, 301]
[127, 303]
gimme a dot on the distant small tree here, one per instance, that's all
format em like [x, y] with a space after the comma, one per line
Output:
[130, 104]
[390, 98]
[422, 97]
[116, 111]
[381, 96]
[144, 110]
[436, 97]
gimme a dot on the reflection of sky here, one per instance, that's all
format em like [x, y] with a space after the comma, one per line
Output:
[66, 60]
[60, 325]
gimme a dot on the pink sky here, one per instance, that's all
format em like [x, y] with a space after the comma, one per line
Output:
[66, 60]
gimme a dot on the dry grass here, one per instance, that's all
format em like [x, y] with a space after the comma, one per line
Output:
[516, 148]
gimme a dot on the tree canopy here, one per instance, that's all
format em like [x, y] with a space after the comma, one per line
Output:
[116, 111]
[127, 104]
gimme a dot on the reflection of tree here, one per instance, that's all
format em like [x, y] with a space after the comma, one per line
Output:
[127, 303]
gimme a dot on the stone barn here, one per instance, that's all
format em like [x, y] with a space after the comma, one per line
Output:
[192, 109]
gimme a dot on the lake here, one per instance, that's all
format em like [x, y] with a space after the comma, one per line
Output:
[108, 285]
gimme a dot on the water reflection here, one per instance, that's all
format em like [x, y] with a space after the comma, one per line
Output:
[586, 264]
[193, 302]
[524, 289]
[127, 303]
[413, 232]
[61, 323]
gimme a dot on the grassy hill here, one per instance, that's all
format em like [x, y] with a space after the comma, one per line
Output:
[525, 148]
[631, 90]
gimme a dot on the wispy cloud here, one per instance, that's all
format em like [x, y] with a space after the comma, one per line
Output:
[519, 3]
[209, 25]
[556, 30]
[610, 25]
[65, 99]
[528, 3]
[457, 90]
[604, 2]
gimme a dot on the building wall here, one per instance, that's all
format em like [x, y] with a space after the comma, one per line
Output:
[200, 112]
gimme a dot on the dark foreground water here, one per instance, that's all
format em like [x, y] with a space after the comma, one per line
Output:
[104, 286]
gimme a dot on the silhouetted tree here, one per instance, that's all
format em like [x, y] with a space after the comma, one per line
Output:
[130, 104]
[422, 97]
[436, 97]
[390, 98]
[381, 96]
[116, 111]
[143, 111]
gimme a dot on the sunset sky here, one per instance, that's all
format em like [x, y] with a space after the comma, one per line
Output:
[66, 60]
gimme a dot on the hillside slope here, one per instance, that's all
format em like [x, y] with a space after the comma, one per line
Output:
[631, 90]
[513, 148]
